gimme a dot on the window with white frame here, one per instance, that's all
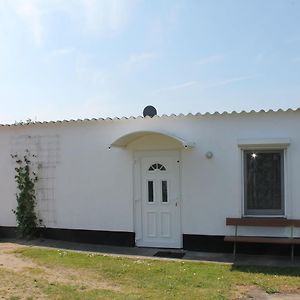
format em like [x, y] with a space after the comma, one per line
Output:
[264, 182]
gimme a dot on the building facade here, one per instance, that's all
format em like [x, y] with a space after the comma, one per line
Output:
[166, 181]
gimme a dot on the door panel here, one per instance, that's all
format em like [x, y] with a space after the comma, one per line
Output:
[160, 212]
[151, 224]
[165, 222]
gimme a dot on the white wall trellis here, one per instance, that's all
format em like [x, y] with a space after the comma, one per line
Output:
[46, 148]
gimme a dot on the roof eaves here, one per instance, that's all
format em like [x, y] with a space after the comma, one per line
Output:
[216, 113]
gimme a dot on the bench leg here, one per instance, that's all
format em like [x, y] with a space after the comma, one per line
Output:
[234, 249]
[292, 252]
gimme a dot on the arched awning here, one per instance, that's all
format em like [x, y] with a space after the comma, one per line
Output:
[126, 139]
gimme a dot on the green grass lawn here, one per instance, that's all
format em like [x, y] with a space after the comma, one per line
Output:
[91, 276]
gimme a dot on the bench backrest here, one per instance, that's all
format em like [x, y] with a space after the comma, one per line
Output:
[263, 222]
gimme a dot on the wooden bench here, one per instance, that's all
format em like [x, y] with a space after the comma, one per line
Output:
[263, 222]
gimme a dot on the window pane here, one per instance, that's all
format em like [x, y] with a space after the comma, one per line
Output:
[150, 191]
[263, 180]
[164, 189]
[157, 167]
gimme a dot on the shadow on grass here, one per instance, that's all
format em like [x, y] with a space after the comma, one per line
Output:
[266, 270]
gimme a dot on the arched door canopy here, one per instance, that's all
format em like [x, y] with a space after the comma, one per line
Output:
[126, 139]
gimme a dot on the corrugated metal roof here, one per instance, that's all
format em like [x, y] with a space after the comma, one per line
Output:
[157, 116]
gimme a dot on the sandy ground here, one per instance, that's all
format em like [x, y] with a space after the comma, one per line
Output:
[10, 261]
[14, 263]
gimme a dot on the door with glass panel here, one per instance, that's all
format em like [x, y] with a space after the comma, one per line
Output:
[160, 202]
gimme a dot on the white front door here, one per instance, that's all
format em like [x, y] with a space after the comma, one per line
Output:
[160, 207]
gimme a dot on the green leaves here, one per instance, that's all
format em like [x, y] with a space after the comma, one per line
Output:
[27, 221]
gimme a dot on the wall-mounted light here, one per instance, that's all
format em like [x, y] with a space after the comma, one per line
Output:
[209, 155]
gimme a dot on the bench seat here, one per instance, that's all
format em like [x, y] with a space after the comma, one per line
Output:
[262, 240]
[263, 222]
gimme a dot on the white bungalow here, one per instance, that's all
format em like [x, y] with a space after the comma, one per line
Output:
[165, 181]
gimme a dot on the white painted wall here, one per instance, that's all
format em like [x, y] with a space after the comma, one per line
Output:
[93, 186]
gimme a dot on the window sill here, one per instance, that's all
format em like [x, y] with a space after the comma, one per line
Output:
[265, 216]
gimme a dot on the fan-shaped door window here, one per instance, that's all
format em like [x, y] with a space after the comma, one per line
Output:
[157, 166]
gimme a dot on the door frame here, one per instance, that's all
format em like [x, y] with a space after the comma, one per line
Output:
[137, 189]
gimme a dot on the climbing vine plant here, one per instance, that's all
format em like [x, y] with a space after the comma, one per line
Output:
[26, 178]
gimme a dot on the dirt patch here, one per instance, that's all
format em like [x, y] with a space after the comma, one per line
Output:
[9, 260]
[84, 279]
[12, 263]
